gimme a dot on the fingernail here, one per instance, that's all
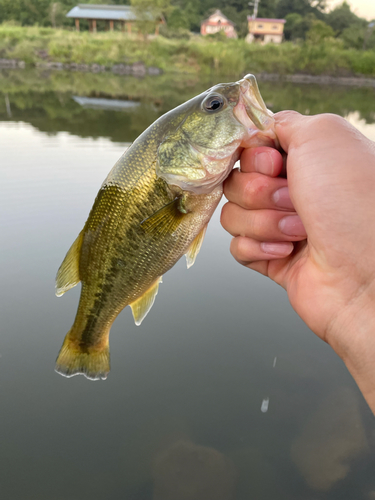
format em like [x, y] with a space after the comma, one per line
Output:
[281, 249]
[292, 226]
[282, 199]
[263, 163]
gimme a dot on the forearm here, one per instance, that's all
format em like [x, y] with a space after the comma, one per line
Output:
[353, 339]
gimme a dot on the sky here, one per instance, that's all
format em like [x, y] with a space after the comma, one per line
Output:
[363, 8]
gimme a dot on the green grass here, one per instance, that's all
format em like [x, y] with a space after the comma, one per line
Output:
[195, 56]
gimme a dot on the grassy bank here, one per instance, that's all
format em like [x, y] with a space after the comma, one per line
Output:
[197, 55]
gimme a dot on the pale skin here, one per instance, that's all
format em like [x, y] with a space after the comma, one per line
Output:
[324, 257]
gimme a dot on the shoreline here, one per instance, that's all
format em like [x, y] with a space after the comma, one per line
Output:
[350, 81]
[140, 70]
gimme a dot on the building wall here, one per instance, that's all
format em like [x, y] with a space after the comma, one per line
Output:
[217, 23]
[272, 39]
[261, 27]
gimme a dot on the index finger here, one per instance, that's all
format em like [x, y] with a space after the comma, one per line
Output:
[264, 160]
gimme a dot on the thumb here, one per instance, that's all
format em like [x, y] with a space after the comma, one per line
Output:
[287, 124]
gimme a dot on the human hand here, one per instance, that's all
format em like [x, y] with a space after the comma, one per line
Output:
[324, 256]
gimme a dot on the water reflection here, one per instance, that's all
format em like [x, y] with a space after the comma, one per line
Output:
[45, 100]
[189, 384]
[108, 104]
[187, 471]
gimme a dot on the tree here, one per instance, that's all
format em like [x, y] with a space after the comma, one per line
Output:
[342, 18]
[297, 26]
[302, 7]
[185, 15]
[319, 31]
[28, 12]
[56, 14]
[149, 12]
[358, 37]
[267, 8]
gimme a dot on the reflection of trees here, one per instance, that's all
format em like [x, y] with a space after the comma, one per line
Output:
[46, 101]
[313, 99]
[53, 112]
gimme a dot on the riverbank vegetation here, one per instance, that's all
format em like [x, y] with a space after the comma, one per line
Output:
[184, 16]
[315, 55]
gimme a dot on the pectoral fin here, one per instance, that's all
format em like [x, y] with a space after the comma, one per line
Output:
[194, 248]
[68, 273]
[141, 306]
[166, 220]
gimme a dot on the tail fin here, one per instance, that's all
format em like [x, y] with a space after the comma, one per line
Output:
[73, 360]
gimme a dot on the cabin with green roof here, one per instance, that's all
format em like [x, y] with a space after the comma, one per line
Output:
[123, 14]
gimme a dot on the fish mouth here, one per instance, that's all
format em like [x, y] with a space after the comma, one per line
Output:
[252, 112]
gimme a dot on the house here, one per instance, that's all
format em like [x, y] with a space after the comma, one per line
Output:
[265, 30]
[123, 14]
[218, 22]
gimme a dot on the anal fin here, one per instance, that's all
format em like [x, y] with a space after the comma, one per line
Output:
[141, 306]
[68, 274]
[194, 248]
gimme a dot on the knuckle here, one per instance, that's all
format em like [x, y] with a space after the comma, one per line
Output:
[286, 114]
[237, 249]
[242, 250]
[329, 120]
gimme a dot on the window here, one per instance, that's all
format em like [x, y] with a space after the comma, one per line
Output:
[274, 27]
[260, 25]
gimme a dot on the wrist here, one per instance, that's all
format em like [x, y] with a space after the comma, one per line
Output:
[352, 336]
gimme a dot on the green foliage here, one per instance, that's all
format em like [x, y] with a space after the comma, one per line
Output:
[353, 37]
[365, 64]
[179, 33]
[319, 32]
[29, 12]
[56, 13]
[268, 8]
[186, 14]
[302, 7]
[149, 13]
[342, 18]
[297, 26]
[198, 55]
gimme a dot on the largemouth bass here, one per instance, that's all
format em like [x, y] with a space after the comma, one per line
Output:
[153, 208]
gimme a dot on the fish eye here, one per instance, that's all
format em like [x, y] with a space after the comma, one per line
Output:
[213, 103]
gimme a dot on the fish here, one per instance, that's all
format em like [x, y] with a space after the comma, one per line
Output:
[153, 208]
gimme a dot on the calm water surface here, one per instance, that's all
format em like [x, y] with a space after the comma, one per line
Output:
[223, 393]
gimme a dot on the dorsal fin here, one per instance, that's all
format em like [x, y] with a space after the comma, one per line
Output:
[68, 274]
[194, 248]
[141, 306]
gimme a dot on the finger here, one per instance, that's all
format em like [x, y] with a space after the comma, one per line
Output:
[264, 160]
[246, 250]
[262, 225]
[287, 123]
[249, 252]
[256, 191]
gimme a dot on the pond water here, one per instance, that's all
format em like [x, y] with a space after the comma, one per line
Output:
[223, 392]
